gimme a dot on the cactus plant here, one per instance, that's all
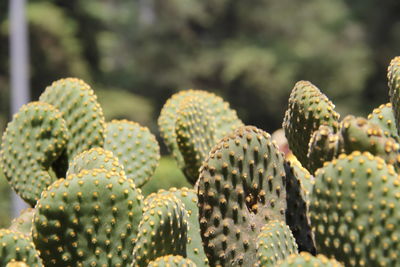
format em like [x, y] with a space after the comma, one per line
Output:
[305, 259]
[162, 230]
[172, 261]
[23, 223]
[135, 147]
[32, 142]
[384, 117]
[87, 219]
[82, 113]
[354, 210]
[394, 88]
[275, 242]
[15, 246]
[16, 264]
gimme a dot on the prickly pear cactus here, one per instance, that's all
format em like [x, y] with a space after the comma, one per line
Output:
[135, 147]
[226, 119]
[275, 242]
[305, 259]
[82, 113]
[324, 146]
[355, 210]
[32, 142]
[241, 187]
[194, 247]
[303, 175]
[95, 158]
[195, 134]
[172, 261]
[358, 134]
[88, 219]
[15, 246]
[384, 117]
[23, 223]
[308, 109]
[16, 264]
[394, 88]
[162, 230]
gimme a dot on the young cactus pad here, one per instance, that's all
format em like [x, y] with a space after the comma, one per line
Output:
[305, 259]
[308, 109]
[241, 187]
[33, 140]
[88, 219]
[172, 261]
[95, 158]
[162, 230]
[135, 147]
[355, 210]
[82, 113]
[274, 243]
[226, 119]
[195, 134]
[15, 246]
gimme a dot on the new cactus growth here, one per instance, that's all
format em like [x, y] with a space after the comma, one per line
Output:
[95, 158]
[172, 261]
[305, 259]
[162, 230]
[32, 142]
[88, 219]
[82, 113]
[135, 147]
[355, 210]
[275, 242]
[15, 246]
[308, 109]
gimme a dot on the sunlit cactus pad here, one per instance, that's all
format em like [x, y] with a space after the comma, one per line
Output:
[87, 219]
[305, 259]
[355, 210]
[135, 147]
[15, 246]
[32, 142]
[172, 261]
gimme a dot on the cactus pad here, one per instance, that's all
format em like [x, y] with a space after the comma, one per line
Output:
[226, 119]
[241, 187]
[195, 134]
[355, 210]
[82, 113]
[384, 117]
[162, 230]
[305, 259]
[32, 142]
[16, 264]
[172, 261]
[23, 223]
[135, 147]
[274, 243]
[15, 246]
[394, 88]
[95, 158]
[308, 109]
[87, 219]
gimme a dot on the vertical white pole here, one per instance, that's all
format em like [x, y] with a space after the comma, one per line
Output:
[19, 71]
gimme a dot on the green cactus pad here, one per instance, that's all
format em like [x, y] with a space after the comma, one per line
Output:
[195, 134]
[95, 158]
[162, 230]
[358, 134]
[305, 259]
[82, 113]
[135, 147]
[17, 264]
[87, 219]
[274, 243]
[384, 117]
[308, 109]
[324, 146]
[15, 246]
[394, 88]
[172, 261]
[194, 247]
[33, 140]
[226, 119]
[23, 223]
[355, 210]
[302, 174]
[297, 211]
[241, 187]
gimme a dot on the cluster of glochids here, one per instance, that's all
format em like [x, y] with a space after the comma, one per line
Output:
[333, 202]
